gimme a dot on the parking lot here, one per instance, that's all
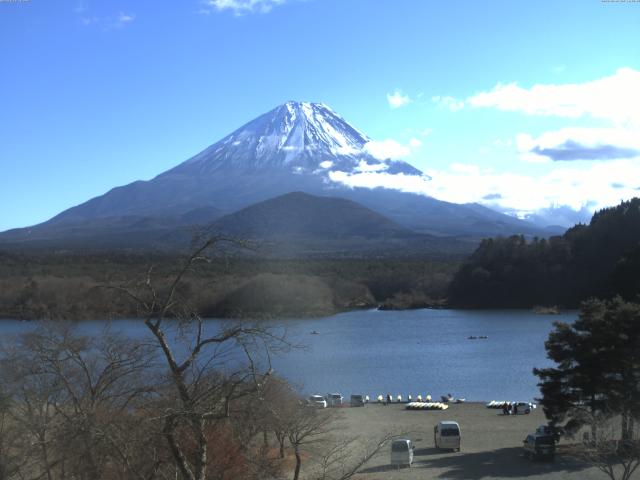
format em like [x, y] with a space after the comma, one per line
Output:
[491, 444]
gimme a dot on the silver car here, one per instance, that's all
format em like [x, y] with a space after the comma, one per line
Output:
[317, 401]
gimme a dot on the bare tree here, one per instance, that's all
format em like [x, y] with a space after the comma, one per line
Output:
[307, 427]
[614, 456]
[14, 444]
[204, 368]
[344, 458]
[280, 402]
[314, 433]
[72, 396]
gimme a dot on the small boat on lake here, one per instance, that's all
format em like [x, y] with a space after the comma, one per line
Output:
[548, 310]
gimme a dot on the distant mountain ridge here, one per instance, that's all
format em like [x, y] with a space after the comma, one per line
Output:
[296, 147]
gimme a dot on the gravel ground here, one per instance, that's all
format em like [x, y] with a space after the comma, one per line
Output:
[491, 444]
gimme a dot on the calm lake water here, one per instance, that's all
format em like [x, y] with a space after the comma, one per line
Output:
[408, 352]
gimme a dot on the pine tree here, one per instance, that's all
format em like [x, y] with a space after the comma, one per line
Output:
[597, 366]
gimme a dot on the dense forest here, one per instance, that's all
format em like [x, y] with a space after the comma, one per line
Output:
[601, 260]
[79, 286]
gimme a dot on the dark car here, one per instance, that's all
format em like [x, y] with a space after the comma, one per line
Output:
[357, 400]
[539, 447]
[555, 432]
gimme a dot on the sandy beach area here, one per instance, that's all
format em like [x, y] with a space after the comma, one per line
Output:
[491, 444]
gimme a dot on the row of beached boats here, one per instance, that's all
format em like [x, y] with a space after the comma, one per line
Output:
[418, 399]
[401, 399]
[427, 406]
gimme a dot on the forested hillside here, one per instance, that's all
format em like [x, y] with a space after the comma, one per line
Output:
[75, 286]
[601, 259]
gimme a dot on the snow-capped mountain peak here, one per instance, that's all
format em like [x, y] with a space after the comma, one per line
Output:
[298, 137]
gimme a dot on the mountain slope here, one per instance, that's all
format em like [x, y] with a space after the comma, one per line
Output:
[297, 146]
[298, 224]
[302, 215]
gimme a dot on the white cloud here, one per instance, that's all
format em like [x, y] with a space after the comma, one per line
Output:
[374, 179]
[241, 7]
[397, 99]
[576, 188]
[465, 168]
[612, 149]
[124, 18]
[453, 104]
[599, 186]
[120, 20]
[426, 132]
[415, 143]
[572, 188]
[364, 166]
[614, 98]
[387, 149]
[326, 164]
[345, 150]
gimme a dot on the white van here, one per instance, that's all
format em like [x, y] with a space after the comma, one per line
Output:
[334, 400]
[447, 435]
[402, 452]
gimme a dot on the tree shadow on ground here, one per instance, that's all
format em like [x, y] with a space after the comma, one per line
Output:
[419, 452]
[383, 468]
[503, 462]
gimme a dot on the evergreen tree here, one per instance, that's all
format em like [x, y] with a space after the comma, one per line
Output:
[597, 366]
[596, 260]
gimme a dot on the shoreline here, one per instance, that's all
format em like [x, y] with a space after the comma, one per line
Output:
[303, 315]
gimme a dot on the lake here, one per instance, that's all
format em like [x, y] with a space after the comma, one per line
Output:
[404, 352]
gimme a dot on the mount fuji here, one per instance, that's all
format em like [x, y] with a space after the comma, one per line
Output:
[296, 147]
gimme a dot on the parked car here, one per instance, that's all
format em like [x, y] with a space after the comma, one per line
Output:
[334, 400]
[555, 432]
[357, 400]
[317, 401]
[402, 452]
[447, 435]
[523, 408]
[539, 447]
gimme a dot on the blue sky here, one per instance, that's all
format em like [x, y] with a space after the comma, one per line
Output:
[520, 105]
